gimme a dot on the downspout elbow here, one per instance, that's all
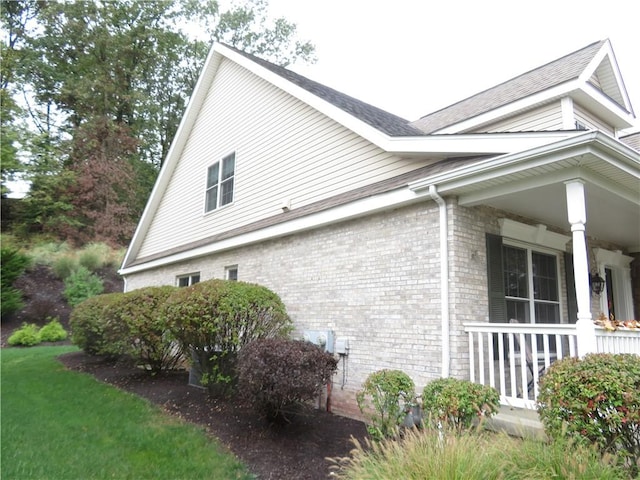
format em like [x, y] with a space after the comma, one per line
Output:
[444, 280]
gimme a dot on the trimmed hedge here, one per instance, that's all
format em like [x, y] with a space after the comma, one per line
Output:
[148, 339]
[595, 399]
[94, 326]
[216, 318]
[277, 374]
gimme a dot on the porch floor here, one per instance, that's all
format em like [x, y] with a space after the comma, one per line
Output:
[518, 422]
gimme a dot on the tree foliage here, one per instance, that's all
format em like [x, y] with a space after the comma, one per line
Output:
[102, 87]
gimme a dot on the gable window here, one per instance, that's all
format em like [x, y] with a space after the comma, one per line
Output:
[231, 272]
[187, 280]
[220, 180]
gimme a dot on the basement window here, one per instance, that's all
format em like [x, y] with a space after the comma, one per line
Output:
[187, 280]
[231, 272]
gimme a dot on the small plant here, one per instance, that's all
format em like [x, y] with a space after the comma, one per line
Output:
[383, 399]
[95, 256]
[456, 403]
[64, 265]
[595, 399]
[81, 285]
[13, 264]
[276, 374]
[27, 336]
[53, 332]
[46, 253]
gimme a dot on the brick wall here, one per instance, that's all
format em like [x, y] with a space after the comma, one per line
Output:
[375, 282]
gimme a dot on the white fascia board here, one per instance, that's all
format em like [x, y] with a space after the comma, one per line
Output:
[513, 107]
[358, 208]
[479, 197]
[616, 153]
[607, 51]
[605, 107]
[175, 150]
[473, 143]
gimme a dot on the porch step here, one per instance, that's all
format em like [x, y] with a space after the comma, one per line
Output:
[518, 422]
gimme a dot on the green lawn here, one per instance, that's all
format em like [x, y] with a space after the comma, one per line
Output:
[58, 424]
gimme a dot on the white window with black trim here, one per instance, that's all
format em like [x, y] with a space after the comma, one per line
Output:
[187, 280]
[220, 183]
[231, 273]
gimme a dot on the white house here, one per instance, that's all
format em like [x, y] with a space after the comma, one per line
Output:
[438, 247]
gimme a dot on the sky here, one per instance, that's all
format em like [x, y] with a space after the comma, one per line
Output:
[413, 57]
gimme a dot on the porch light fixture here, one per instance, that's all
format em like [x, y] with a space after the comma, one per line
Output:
[597, 283]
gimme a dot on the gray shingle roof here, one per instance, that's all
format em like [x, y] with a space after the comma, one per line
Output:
[633, 140]
[386, 122]
[554, 73]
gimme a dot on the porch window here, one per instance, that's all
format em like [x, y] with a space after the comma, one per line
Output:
[220, 181]
[531, 285]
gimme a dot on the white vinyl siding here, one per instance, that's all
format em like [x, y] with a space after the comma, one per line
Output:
[284, 149]
[545, 118]
[590, 121]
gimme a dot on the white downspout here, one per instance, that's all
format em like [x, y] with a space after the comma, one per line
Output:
[444, 279]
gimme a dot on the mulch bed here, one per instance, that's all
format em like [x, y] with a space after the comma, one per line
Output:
[297, 450]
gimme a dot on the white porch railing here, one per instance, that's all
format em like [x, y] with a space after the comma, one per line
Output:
[619, 341]
[511, 356]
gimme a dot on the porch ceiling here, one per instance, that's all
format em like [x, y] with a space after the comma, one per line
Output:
[609, 217]
[531, 184]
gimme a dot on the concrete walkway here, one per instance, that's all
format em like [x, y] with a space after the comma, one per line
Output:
[518, 422]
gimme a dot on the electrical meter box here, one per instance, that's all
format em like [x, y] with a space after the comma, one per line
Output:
[323, 338]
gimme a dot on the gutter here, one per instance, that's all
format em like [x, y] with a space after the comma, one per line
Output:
[444, 281]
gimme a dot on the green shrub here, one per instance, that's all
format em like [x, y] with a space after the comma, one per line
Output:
[597, 399]
[64, 265]
[27, 335]
[277, 374]
[455, 403]
[53, 332]
[12, 264]
[81, 285]
[215, 319]
[470, 455]
[46, 253]
[94, 327]
[148, 339]
[90, 260]
[384, 399]
[95, 256]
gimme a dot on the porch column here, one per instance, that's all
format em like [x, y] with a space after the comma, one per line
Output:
[577, 214]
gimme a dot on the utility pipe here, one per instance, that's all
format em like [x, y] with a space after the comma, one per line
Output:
[444, 279]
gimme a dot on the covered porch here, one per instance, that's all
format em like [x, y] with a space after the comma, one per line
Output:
[572, 218]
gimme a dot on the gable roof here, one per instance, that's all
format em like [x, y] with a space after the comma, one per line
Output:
[389, 132]
[593, 65]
